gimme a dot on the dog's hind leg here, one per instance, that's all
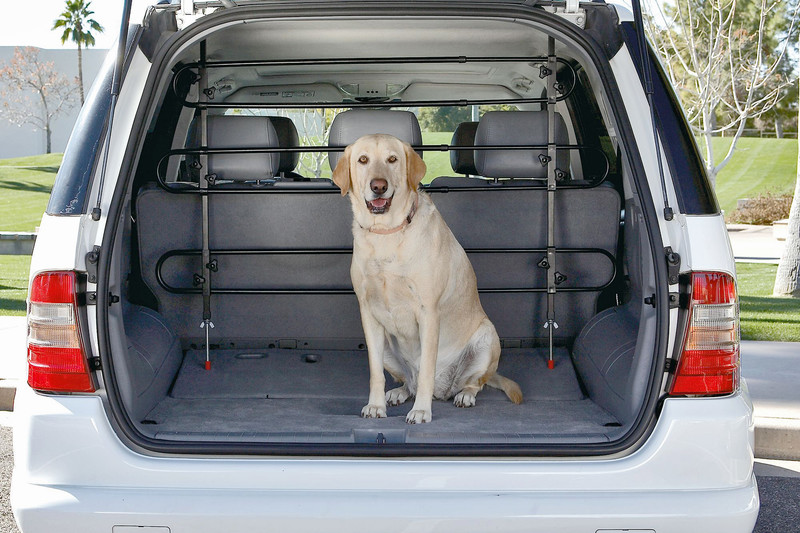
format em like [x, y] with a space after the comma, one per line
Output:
[495, 380]
[466, 398]
[392, 364]
[480, 363]
[398, 395]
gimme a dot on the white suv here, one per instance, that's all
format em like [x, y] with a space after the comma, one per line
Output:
[196, 357]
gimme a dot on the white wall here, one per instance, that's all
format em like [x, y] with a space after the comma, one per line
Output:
[18, 141]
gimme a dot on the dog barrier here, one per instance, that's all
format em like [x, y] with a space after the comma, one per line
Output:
[556, 91]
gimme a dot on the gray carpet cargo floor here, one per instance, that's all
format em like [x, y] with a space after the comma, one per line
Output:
[316, 396]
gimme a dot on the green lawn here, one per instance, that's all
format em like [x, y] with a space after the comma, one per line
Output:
[13, 284]
[757, 166]
[765, 317]
[25, 184]
[438, 163]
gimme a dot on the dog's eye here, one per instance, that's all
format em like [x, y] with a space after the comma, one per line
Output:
[363, 160]
[392, 159]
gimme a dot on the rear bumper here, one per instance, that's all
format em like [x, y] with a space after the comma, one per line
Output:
[694, 473]
[240, 511]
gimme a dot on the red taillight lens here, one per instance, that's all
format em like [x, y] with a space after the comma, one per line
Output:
[56, 358]
[709, 361]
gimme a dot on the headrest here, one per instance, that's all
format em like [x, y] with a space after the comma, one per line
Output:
[230, 131]
[518, 128]
[287, 138]
[463, 161]
[349, 126]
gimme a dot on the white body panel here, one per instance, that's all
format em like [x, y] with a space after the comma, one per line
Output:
[693, 473]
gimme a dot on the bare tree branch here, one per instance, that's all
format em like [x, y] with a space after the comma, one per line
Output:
[34, 93]
[725, 71]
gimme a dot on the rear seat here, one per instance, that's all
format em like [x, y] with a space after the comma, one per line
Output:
[463, 161]
[506, 219]
[250, 221]
[287, 138]
[228, 131]
[500, 217]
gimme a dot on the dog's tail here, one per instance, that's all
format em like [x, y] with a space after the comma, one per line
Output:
[508, 386]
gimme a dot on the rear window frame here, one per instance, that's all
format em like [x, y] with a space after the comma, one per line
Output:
[81, 156]
[692, 187]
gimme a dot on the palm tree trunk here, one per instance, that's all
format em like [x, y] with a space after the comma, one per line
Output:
[80, 71]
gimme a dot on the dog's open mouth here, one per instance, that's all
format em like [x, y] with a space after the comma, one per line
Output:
[378, 206]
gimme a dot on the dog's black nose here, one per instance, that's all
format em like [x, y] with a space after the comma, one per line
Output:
[378, 186]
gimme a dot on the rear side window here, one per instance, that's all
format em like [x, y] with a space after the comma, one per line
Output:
[72, 182]
[695, 195]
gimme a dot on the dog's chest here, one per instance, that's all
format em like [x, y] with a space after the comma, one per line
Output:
[391, 294]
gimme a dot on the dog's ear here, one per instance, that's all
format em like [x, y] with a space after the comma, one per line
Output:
[341, 174]
[415, 168]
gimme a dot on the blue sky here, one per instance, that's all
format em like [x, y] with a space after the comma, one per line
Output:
[28, 23]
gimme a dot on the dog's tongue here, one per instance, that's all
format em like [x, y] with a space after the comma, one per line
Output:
[378, 202]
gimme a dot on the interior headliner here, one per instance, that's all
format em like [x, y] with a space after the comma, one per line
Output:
[396, 38]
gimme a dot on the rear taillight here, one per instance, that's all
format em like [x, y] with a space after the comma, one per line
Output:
[56, 359]
[709, 360]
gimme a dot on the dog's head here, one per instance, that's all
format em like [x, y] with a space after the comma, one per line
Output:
[382, 174]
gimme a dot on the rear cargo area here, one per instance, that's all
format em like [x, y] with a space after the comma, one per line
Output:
[235, 245]
[287, 357]
[316, 396]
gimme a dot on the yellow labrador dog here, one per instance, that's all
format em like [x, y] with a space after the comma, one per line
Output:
[416, 289]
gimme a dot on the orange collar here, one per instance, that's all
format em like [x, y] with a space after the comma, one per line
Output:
[405, 223]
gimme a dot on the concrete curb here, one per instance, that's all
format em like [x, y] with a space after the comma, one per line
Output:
[8, 391]
[17, 243]
[778, 438]
[772, 373]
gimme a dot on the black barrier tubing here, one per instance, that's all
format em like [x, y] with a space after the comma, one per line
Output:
[346, 251]
[366, 61]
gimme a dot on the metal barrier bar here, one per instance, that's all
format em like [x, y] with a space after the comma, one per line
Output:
[367, 102]
[347, 251]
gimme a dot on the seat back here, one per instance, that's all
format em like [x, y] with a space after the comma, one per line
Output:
[463, 161]
[230, 131]
[503, 226]
[347, 127]
[288, 137]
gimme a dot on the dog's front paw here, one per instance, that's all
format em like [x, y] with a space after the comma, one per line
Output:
[464, 399]
[397, 396]
[373, 411]
[418, 416]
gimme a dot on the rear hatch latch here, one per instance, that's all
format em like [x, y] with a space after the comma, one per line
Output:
[571, 13]
[673, 277]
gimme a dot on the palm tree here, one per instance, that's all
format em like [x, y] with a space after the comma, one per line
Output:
[78, 28]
